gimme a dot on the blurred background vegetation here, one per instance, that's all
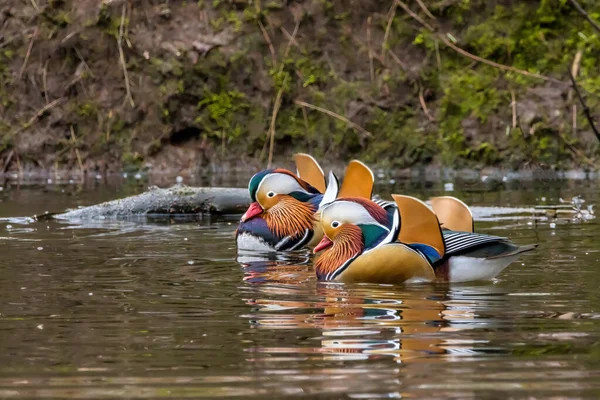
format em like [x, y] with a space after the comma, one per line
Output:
[123, 85]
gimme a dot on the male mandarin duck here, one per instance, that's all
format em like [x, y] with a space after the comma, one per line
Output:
[360, 245]
[282, 215]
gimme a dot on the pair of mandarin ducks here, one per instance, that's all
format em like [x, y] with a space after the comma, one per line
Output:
[360, 239]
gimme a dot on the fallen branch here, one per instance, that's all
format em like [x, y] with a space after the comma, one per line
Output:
[586, 16]
[179, 199]
[586, 110]
[334, 115]
[122, 56]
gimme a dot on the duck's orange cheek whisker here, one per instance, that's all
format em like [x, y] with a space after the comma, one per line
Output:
[323, 244]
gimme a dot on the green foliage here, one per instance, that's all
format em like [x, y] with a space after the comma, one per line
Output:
[219, 113]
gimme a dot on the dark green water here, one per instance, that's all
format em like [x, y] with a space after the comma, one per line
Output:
[166, 309]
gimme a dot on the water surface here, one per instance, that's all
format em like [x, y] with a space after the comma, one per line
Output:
[167, 309]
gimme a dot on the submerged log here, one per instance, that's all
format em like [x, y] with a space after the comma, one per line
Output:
[179, 199]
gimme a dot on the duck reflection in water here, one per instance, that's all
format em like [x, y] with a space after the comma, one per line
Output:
[281, 268]
[357, 322]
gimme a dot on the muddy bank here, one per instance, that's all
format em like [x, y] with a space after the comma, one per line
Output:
[110, 86]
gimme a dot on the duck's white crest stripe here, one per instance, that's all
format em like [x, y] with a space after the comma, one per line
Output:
[384, 203]
[284, 183]
[331, 193]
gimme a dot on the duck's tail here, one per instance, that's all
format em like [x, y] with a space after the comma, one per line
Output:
[515, 251]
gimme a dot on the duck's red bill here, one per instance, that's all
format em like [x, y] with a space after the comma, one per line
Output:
[254, 210]
[323, 244]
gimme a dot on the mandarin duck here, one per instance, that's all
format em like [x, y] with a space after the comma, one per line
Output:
[364, 242]
[282, 214]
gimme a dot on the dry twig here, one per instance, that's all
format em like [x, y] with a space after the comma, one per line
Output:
[77, 154]
[33, 36]
[585, 15]
[575, 72]
[465, 53]
[289, 45]
[425, 10]
[122, 56]
[415, 16]
[495, 64]
[397, 60]
[87, 67]
[386, 35]
[45, 80]
[424, 105]
[514, 108]
[34, 4]
[586, 110]
[290, 37]
[38, 114]
[268, 40]
[273, 119]
[369, 51]
[336, 116]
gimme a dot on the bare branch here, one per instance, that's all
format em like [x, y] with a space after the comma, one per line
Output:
[122, 56]
[289, 45]
[388, 28]
[586, 16]
[465, 53]
[268, 40]
[77, 154]
[586, 110]
[425, 10]
[334, 115]
[424, 105]
[273, 119]
[33, 36]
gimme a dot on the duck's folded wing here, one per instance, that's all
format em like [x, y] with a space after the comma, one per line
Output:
[480, 246]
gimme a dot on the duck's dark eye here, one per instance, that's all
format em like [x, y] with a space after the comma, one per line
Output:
[270, 194]
[335, 224]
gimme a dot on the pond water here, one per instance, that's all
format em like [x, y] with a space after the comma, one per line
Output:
[166, 308]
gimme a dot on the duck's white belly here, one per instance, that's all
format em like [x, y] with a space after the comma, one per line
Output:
[246, 241]
[464, 269]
